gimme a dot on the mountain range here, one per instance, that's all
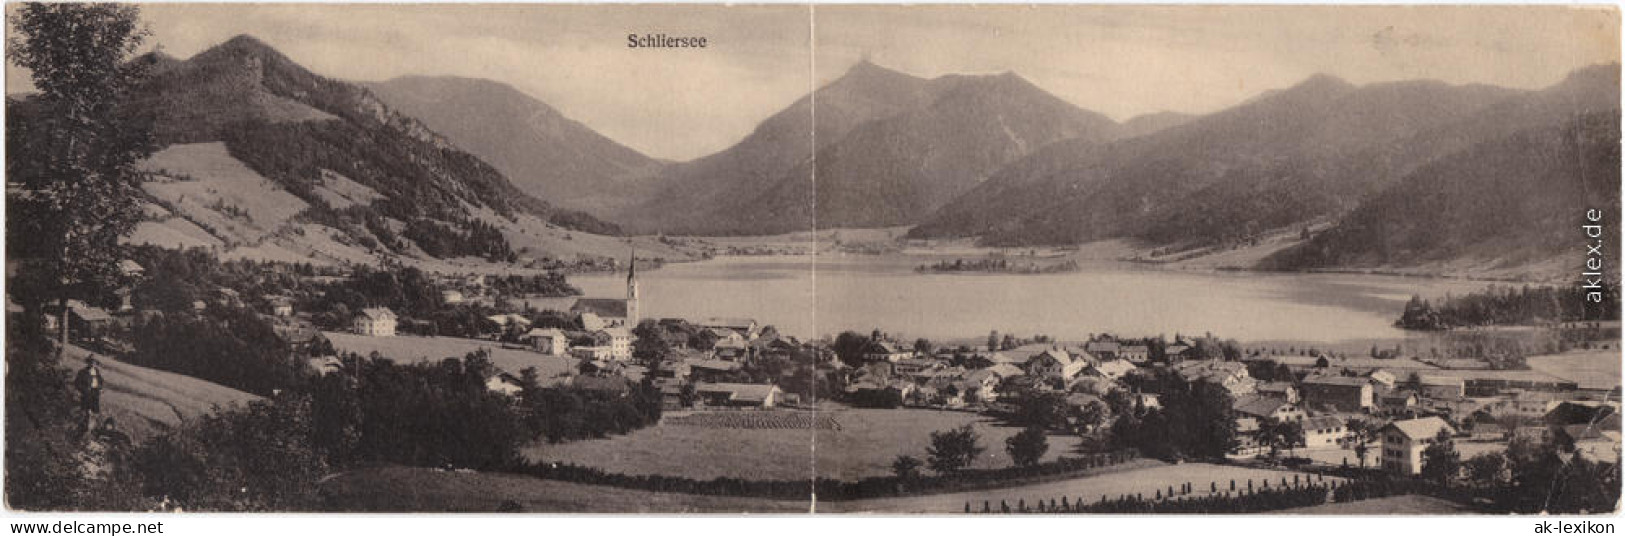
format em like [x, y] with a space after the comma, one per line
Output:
[419, 165]
[294, 126]
[1323, 151]
[872, 148]
[540, 150]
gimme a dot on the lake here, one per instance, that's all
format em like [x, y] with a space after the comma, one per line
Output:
[807, 298]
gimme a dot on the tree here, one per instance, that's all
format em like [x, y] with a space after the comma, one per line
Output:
[1090, 415]
[1280, 434]
[1027, 446]
[1440, 461]
[1361, 432]
[74, 146]
[953, 450]
[649, 346]
[993, 341]
[906, 467]
[1489, 468]
[73, 150]
[1040, 408]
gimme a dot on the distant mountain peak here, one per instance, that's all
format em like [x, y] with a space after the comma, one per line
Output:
[244, 44]
[866, 69]
[1323, 81]
[248, 47]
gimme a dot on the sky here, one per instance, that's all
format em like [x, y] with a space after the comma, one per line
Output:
[681, 104]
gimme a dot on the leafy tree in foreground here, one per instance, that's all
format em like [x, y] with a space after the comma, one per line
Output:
[1440, 461]
[906, 467]
[73, 151]
[953, 450]
[1027, 446]
[74, 147]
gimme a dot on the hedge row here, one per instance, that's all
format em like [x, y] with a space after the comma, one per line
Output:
[828, 489]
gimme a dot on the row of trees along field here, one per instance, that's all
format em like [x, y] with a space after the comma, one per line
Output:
[1507, 306]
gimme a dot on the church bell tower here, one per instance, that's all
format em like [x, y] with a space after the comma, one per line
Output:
[632, 317]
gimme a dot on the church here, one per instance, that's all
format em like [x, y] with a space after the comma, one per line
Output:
[613, 312]
[609, 321]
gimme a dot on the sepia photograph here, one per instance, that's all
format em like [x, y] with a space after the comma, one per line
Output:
[891, 260]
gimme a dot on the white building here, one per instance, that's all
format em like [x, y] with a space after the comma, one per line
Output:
[1404, 441]
[1323, 431]
[375, 322]
[619, 341]
[548, 341]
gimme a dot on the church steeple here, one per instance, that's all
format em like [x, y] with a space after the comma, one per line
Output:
[632, 318]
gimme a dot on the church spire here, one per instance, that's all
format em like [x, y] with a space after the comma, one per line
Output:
[632, 318]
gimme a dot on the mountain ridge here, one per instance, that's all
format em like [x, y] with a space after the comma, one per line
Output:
[885, 147]
[538, 148]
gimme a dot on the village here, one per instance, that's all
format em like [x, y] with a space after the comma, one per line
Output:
[1287, 409]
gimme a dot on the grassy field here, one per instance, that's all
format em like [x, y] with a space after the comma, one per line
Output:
[207, 184]
[871, 439]
[1403, 505]
[401, 489]
[146, 401]
[1146, 478]
[858, 443]
[702, 452]
[1595, 369]
[414, 349]
[410, 489]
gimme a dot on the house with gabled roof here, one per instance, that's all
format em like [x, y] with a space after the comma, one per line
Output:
[887, 351]
[738, 394]
[1231, 375]
[1114, 369]
[548, 341]
[1052, 362]
[1442, 387]
[1005, 358]
[1282, 390]
[1338, 393]
[1175, 352]
[746, 327]
[1323, 431]
[1404, 441]
[1103, 349]
[375, 322]
[1268, 408]
[505, 383]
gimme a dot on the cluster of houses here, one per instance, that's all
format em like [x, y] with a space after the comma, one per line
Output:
[1406, 402]
[1410, 400]
[932, 380]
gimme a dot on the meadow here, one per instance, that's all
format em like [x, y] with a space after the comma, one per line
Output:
[1145, 477]
[850, 444]
[145, 402]
[407, 489]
